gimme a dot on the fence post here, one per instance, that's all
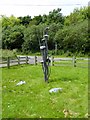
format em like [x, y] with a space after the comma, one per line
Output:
[8, 62]
[52, 61]
[18, 60]
[26, 59]
[35, 62]
[74, 61]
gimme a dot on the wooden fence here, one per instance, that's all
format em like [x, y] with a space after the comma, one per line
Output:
[75, 62]
[19, 60]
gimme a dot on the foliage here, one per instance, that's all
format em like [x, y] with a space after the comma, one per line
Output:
[70, 33]
[32, 36]
[30, 39]
[74, 38]
[55, 17]
[53, 28]
[25, 20]
[13, 37]
[78, 15]
[37, 19]
[9, 21]
[8, 53]
[12, 33]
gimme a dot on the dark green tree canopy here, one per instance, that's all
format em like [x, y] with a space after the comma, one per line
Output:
[70, 33]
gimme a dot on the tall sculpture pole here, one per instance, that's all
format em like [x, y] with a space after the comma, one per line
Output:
[44, 52]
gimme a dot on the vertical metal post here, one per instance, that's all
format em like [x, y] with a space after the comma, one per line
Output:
[44, 52]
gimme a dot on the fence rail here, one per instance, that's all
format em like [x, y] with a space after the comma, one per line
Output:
[19, 60]
[75, 62]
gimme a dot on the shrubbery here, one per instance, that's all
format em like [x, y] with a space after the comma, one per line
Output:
[69, 32]
[8, 53]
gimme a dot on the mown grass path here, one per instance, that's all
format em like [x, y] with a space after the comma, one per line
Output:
[33, 100]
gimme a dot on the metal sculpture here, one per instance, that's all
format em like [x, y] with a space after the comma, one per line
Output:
[45, 58]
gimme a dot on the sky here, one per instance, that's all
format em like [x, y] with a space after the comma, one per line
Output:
[38, 7]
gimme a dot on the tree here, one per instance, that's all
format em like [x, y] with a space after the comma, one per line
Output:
[55, 17]
[12, 32]
[74, 38]
[25, 20]
[44, 18]
[77, 16]
[32, 36]
[37, 19]
[71, 33]
[12, 37]
[53, 28]
[30, 39]
[9, 21]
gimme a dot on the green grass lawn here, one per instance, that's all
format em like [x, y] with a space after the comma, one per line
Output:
[33, 100]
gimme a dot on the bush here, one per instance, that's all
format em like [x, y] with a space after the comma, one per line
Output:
[8, 53]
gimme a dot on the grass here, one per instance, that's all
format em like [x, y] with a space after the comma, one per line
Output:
[79, 63]
[33, 100]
